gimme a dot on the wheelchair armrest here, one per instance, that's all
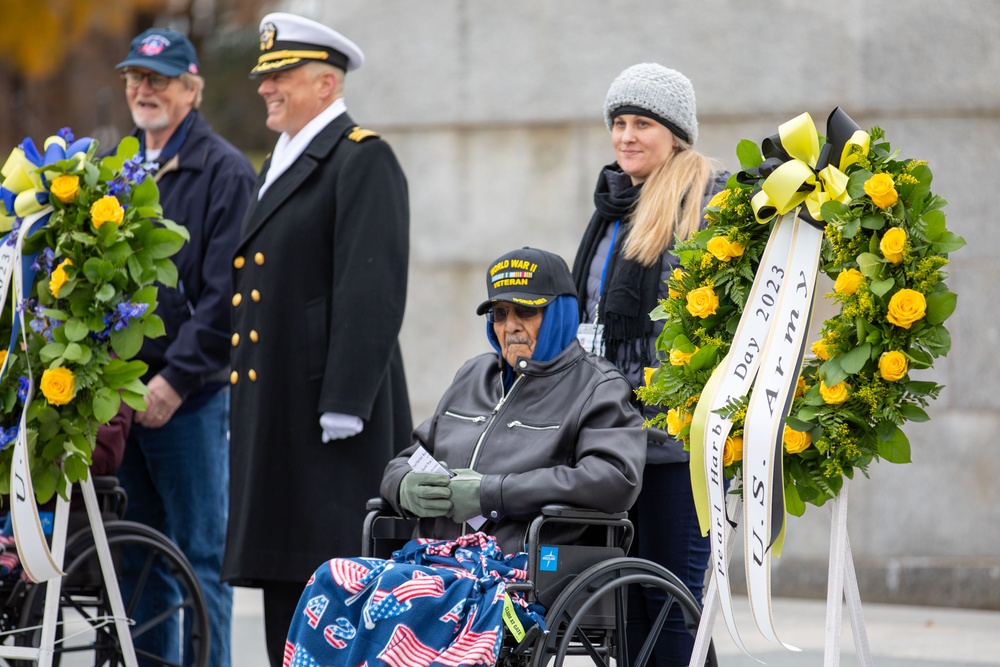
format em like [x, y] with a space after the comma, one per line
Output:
[378, 505]
[378, 510]
[572, 512]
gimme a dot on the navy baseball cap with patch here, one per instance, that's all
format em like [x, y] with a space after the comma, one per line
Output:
[288, 40]
[164, 51]
[528, 277]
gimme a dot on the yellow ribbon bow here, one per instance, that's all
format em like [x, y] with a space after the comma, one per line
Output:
[26, 178]
[797, 180]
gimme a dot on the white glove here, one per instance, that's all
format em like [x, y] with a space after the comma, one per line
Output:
[337, 426]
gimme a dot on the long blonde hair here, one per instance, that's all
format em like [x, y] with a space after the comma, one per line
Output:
[669, 204]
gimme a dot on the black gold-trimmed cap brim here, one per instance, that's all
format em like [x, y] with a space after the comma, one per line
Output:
[285, 58]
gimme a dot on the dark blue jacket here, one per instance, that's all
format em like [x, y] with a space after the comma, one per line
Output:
[206, 187]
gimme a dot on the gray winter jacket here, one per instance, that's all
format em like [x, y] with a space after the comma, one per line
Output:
[566, 432]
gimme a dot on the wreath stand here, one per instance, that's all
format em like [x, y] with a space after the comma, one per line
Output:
[50, 619]
[842, 586]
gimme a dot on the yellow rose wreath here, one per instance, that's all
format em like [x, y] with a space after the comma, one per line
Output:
[886, 249]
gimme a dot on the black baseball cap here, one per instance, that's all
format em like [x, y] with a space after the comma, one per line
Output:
[528, 277]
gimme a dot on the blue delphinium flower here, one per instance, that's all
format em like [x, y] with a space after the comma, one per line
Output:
[122, 314]
[8, 436]
[14, 228]
[117, 188]
[44, 260]
[22, 388]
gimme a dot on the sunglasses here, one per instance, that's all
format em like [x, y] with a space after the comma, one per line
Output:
[157, 82]
[499, 314]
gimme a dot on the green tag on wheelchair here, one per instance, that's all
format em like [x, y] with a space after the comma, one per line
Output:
[510, 619]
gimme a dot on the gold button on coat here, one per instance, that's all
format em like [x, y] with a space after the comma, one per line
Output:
[237, 299]
[253, 335]
[255, 295]
[236, 339]
[252, 374]
[259, 258]
[233, 377]
[238, 262]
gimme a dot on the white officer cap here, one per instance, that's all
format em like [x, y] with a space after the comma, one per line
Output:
[288, 40]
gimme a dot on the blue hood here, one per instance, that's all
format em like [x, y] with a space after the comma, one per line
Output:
[559, 325]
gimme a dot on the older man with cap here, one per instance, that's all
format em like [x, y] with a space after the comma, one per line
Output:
[176, 466]
[319, 395]
[537, 421]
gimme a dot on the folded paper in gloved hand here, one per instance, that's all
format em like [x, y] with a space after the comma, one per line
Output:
[422, 461]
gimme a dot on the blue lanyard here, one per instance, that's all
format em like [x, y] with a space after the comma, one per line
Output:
[607, 260]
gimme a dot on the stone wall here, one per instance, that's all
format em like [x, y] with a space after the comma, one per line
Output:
[494, 109]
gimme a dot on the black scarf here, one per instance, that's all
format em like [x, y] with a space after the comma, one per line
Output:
[630, 289]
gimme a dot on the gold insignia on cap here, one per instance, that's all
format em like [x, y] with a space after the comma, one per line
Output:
[360, 134]
[267, 34]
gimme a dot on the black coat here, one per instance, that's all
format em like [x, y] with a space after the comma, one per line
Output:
[319, 279]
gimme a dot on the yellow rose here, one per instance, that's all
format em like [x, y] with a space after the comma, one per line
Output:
[676, 275]
[65, 187]
[848, 281]
[676, 421]
[702, 302]
[882, 190]
[679, 358]
[719, 198]
[648, 374]
[892, 365]
[796, 441]
[57, 385]
[106, 209]
[893, 244]
[733, 450]
[906, 307]
[800, 387]
[723, 249]
[59, 277]
[834, 395]
[821, 349]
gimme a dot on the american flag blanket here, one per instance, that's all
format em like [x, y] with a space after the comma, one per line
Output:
[436, 603]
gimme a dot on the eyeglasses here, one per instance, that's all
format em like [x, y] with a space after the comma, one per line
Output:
[498, 314]
[157, 82]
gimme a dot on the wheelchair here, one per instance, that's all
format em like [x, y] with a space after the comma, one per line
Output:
[583, 585]
[86, 632]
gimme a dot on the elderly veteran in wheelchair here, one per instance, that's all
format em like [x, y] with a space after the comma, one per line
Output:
[536, 422]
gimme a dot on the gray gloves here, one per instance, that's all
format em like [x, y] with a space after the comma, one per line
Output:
[426, 494]
[464, 488]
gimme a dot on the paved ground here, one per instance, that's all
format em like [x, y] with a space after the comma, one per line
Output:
[899, 636]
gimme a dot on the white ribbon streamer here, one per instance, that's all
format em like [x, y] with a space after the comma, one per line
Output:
[36, 559]
[734, 375]
[763, 429]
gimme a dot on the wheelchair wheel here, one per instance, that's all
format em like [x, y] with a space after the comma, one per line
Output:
[86, 626]
[589, 617]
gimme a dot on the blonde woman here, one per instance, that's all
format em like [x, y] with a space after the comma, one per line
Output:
[651, 196]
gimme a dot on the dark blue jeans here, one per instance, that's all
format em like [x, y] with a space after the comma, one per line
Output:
[177, 479]
[667, 533]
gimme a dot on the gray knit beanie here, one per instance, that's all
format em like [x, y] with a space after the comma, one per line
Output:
[652, 90]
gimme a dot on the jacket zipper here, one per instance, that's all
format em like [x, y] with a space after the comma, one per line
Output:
[520, 424]
[482, 436]
[493, 416]
[466, 418]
